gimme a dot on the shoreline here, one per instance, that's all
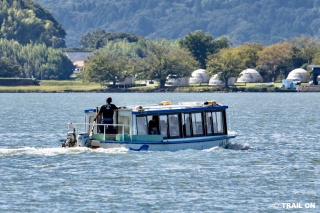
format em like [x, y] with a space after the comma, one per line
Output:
[165, 90]
[79, 87]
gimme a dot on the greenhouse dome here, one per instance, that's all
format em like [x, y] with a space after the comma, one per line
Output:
[215, 81]
[199, 76]
[249, 76]
[300, 74]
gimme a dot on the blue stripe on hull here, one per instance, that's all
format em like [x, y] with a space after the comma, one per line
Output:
[168, 147]
[174, 141]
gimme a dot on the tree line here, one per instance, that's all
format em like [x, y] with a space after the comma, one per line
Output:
[146, 59]
[33, 61]
[156, 60]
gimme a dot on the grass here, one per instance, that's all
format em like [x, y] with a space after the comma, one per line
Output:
[54, 86]
[79, 86]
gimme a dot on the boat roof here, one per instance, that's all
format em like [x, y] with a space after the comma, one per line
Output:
[165, 107]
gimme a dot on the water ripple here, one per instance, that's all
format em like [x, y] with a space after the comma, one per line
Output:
[274, 160]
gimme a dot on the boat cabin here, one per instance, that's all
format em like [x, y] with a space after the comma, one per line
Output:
[162, 122]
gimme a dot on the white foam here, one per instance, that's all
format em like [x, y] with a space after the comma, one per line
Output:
[111, 150]
[213, 149]
[40, 151]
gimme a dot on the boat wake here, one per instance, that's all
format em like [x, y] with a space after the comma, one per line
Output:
[213, 149]
[238, 146]
[56, 151]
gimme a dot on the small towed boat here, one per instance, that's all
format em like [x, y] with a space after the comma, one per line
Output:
[160, 127]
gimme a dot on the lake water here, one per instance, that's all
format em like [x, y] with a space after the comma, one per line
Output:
[272, 166]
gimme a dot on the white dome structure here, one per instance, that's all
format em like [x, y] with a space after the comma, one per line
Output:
[300, 74]
[199, 76]
[214, 80]
[249, 76]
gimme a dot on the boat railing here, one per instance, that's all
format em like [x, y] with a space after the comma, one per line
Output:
[83, 127]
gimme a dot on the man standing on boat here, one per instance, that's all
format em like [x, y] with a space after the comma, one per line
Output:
[107, 112]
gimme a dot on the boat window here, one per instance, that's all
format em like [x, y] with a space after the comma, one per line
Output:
[218, 122]
[197, 126]
[142, 128]
[163, 125]
[209, 122]
[153, 125]
[174, 127]
[186, 121]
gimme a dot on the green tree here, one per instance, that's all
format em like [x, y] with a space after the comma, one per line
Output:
[164, 60]
[116, 37]
[89, 40]
[316, 58]
[226, 63]
[57, 67]
[103, 68]
[303, 50]
[221, 43]
[125, 48]
[248, 52]
[142, 59]
[36, 60]
[201, 45]
[275, 60]
[7, 69]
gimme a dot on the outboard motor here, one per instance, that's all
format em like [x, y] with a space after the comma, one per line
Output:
[84, 140]
[70, 141]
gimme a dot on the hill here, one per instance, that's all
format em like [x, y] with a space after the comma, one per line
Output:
[30, 43]
[26, 21]
[264, 21]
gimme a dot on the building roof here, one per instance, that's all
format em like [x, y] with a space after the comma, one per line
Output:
[75, 56]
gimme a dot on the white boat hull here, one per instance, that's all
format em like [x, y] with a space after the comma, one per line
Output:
[166, 145]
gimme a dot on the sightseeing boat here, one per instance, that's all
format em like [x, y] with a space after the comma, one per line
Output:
[186, 125]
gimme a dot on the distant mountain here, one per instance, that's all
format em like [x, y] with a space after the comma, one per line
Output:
[264, 21]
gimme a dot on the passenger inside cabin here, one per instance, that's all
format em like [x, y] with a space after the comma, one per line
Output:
[154, 125]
